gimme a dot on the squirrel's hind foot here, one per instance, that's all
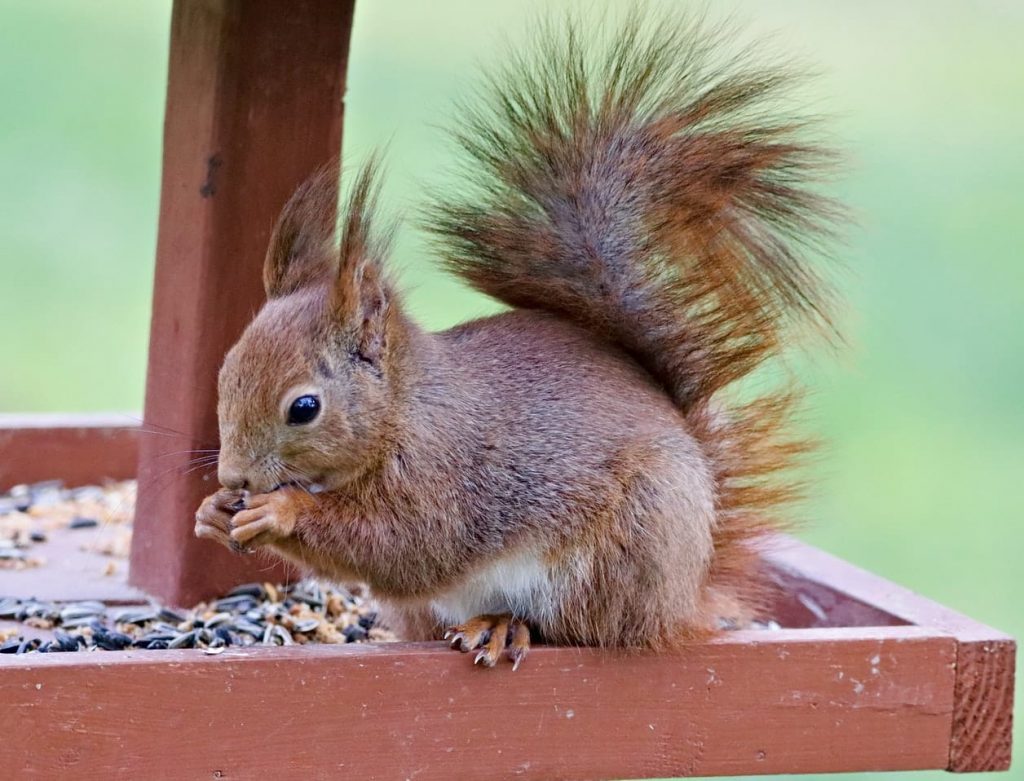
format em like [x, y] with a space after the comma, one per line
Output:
[490, 636]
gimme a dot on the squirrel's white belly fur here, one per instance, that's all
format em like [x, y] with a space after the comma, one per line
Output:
[518, 584]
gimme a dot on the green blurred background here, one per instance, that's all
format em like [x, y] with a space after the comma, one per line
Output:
[923, 478]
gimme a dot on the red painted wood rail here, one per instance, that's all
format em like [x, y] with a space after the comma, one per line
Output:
[254, 105]
[814, 700]
[79, 449]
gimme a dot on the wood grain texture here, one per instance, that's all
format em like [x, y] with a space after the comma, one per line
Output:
[983, 706]
[982, 726]
[753, 702]
[79, 449]
[254, 105]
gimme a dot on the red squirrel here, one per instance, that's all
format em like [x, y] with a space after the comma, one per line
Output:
[576, 469]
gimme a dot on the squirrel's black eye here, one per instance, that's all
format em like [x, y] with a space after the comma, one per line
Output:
[303, 410]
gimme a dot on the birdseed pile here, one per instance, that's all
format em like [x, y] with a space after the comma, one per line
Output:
[254, 614]
[308, 611]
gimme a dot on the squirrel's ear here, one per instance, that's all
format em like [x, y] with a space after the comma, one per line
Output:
[302, 245]
[361, 299]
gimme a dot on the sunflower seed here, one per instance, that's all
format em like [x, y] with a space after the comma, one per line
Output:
[9, 607]
[110, 640]
[155, 636]
[187, 640]
[239, 602]
[135, 615]
[171, 615]
[81, 610]
[276, 634]
[65, 642]
[354, 633]
[217, 619]
[249, 590]
[22, 497]
[249, 628]
[47, 493]
[87, 492]
[310, 598]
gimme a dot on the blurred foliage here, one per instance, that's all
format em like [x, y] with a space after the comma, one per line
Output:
[923, 478]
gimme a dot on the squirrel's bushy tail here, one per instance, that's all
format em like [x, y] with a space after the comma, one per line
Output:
[655, 193]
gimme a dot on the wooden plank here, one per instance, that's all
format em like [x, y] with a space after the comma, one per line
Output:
[254, 105]
[752, 702]
[78, 449]
[71, 571]
[982, 726]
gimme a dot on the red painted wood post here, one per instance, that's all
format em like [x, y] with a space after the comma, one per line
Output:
[254, 105]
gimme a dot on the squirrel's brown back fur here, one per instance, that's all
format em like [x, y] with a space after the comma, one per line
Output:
[577, 462]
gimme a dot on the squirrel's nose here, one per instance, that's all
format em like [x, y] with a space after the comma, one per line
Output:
[232, 479]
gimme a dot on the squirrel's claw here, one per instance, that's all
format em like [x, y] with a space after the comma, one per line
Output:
[470, 635]
[519, 645]
[490, 636]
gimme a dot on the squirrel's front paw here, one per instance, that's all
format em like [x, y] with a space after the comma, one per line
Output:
[266, 518]
[213, 518]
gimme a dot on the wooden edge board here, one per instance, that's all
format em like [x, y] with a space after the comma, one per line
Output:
[982, 726]
[811, 700]
[68, 420]
[80, 449]
[789, 555]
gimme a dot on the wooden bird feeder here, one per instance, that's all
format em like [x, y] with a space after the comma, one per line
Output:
[864, 675]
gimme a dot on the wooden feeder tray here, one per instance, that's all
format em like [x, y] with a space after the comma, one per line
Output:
[864, 675]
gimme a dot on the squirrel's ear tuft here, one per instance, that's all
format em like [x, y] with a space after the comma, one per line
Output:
[361, 299]
[302, 246]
